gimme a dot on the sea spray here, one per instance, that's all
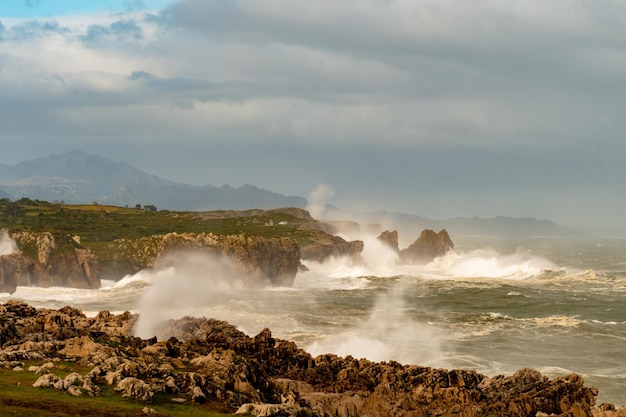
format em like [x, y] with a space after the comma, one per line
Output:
[389, 333]
[185, 285]
[7, 244]
[317, 200]
[487, 263]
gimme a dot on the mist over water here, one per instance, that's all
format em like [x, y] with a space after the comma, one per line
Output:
[554, 305]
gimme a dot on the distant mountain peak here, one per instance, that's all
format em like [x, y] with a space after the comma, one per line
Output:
[79, 177]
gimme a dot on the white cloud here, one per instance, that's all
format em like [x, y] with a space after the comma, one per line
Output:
[327, 76]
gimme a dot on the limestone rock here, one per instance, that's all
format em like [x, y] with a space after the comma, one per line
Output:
[325, 246]
[427, 247]
[135, 388]
[44, 262]
[211, 361]
[390, 239]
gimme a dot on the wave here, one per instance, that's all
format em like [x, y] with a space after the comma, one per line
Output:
[487, 263]
[481, 263]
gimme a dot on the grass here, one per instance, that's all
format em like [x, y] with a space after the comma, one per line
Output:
[95, 223]
[19, 399]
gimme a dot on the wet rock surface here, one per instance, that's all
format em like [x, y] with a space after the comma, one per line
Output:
[206, 360]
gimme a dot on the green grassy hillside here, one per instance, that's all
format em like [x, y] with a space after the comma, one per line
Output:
[95, 224]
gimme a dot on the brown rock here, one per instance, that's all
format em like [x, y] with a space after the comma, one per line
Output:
[390, 238]
[325, 246]
[214, 362]
[427, 247]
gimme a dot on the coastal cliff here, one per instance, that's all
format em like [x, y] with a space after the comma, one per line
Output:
[41, 261]
[211, 362]
[273, 259]
[45, 261]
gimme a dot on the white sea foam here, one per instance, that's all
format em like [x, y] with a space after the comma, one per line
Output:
[486, 263]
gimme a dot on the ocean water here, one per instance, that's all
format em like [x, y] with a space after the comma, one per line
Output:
[493, 305]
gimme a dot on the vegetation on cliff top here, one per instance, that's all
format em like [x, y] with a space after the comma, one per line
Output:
[95, 224]
[17, 399]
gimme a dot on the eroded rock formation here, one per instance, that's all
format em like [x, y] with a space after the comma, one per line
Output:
[427, 247]
[45, 261]
[273, 259]
[390, 238]
[207, 360]
[324, 246]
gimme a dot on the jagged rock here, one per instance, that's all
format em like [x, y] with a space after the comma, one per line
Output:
[135, 388]
[390, 238]
[427, 247]
[43, 262]
[273, 410]
[14, 269]
[211, 361]
[48, 381]
[273, 259]
[325, 246]
[608, 410]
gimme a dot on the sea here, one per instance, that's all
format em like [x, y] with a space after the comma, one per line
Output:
[494, 305]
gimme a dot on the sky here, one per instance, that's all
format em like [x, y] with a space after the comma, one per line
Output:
[441, 108]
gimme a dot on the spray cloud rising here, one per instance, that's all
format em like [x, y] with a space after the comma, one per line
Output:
[317, 200]
[7, 244]
[182, 285]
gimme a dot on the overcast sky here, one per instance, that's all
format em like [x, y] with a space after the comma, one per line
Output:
[440, 108]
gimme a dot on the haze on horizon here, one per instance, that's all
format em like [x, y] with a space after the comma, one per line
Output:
[436, 108]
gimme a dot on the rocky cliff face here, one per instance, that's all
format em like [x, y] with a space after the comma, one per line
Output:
[206, 360]
[272, 259]
[324, 246]
[44, 261]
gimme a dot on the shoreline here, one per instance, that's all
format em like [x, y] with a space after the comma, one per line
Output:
[208, 361]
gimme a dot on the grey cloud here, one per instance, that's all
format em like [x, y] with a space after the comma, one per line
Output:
[140, 75]
[427, 106]
[474, 42]
[119, 31]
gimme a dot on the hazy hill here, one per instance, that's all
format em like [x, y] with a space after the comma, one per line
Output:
[410, 226]
[77, 177]
[4, 194]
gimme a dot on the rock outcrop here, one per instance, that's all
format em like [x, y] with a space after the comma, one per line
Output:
[45, 261]
[324, 246]
[42, 260]
[427, 247]
[211, 361]
[390, 239]
[272, 259]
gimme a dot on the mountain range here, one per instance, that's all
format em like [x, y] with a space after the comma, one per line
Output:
[77, 177]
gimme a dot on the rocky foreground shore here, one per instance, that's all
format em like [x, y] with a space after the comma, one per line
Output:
[210, 361]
